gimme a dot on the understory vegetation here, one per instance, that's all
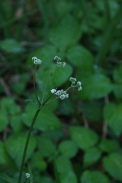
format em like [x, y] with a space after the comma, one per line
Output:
[76, 140]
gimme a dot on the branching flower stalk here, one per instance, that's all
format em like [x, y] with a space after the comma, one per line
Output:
[61, 94]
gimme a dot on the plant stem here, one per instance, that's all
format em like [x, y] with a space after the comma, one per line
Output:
[34, 83]
[27, 142]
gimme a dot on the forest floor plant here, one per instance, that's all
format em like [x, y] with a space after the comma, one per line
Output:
[55, 94]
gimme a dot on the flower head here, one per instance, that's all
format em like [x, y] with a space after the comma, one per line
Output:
[75, 83]
[60, 93]
[27, 175]
[36, 61]
[59, 63]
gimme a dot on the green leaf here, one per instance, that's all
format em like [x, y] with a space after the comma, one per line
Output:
[68, 148]
[45, 53]
[46, 146]
[63, 7]
[7, 178]
[37, 161]
[80, 57]
[109, 146]
[8, 104]
[83, 137]
[16, 122]
[92, 110]
[91, 156]
[118, 91]
[15, 147]
[46, 120]
[3, 154]
[3, 120]
[66, 33]
[64, 170]
[11, 46]
[96, 86]
[117, 74]
[94, 177]
[20, 84]
[46, 179]
[57, 78]
[113, 165]
[113, 117]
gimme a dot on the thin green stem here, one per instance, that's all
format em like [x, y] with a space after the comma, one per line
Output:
[34, 83]
[28, 137]
[27, 142]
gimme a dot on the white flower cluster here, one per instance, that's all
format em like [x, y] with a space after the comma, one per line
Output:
[75, 83]
[36, 60]
[27, 175]
[59, 63]
[60, 93]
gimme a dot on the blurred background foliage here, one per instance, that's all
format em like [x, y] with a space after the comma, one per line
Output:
[78, 139]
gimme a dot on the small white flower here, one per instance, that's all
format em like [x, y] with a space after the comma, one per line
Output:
[63, 64]
[27, 175]
[67, 95]
[74, 84]
[58, 93]
[53, 91]
[57, 58]
[80, 88]
[73, 80]
[78, 83]
[36, 61]
[59, 64]
[62, 97]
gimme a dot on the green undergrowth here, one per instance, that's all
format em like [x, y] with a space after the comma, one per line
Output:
[73, 140]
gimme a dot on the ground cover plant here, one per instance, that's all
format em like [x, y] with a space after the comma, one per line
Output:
[73, 140]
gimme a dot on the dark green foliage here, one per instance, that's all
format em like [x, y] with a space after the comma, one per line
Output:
[77, 139]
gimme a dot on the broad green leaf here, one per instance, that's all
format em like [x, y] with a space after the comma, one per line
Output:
[58, 77]
[113, 117]
[63, 7]
[11, 46]
[46, 179]
[20, 84]
[64, 170]
[109, 146]
[66, 33]
[113, 165]
[16, 122]
[66, 107]
[46, 120]
[92, 110]
[45, 53]
[94, 177]
[117, 74]
[80, 57]
[46, 146]
[8, 104]
[37, 161]
[96, 86]
[118, 91]
[91, 156]
[68, 148]
[7, 178]
[53, 134]
[3, 154]
[15, 147]
[3, 120]
[83, 137]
